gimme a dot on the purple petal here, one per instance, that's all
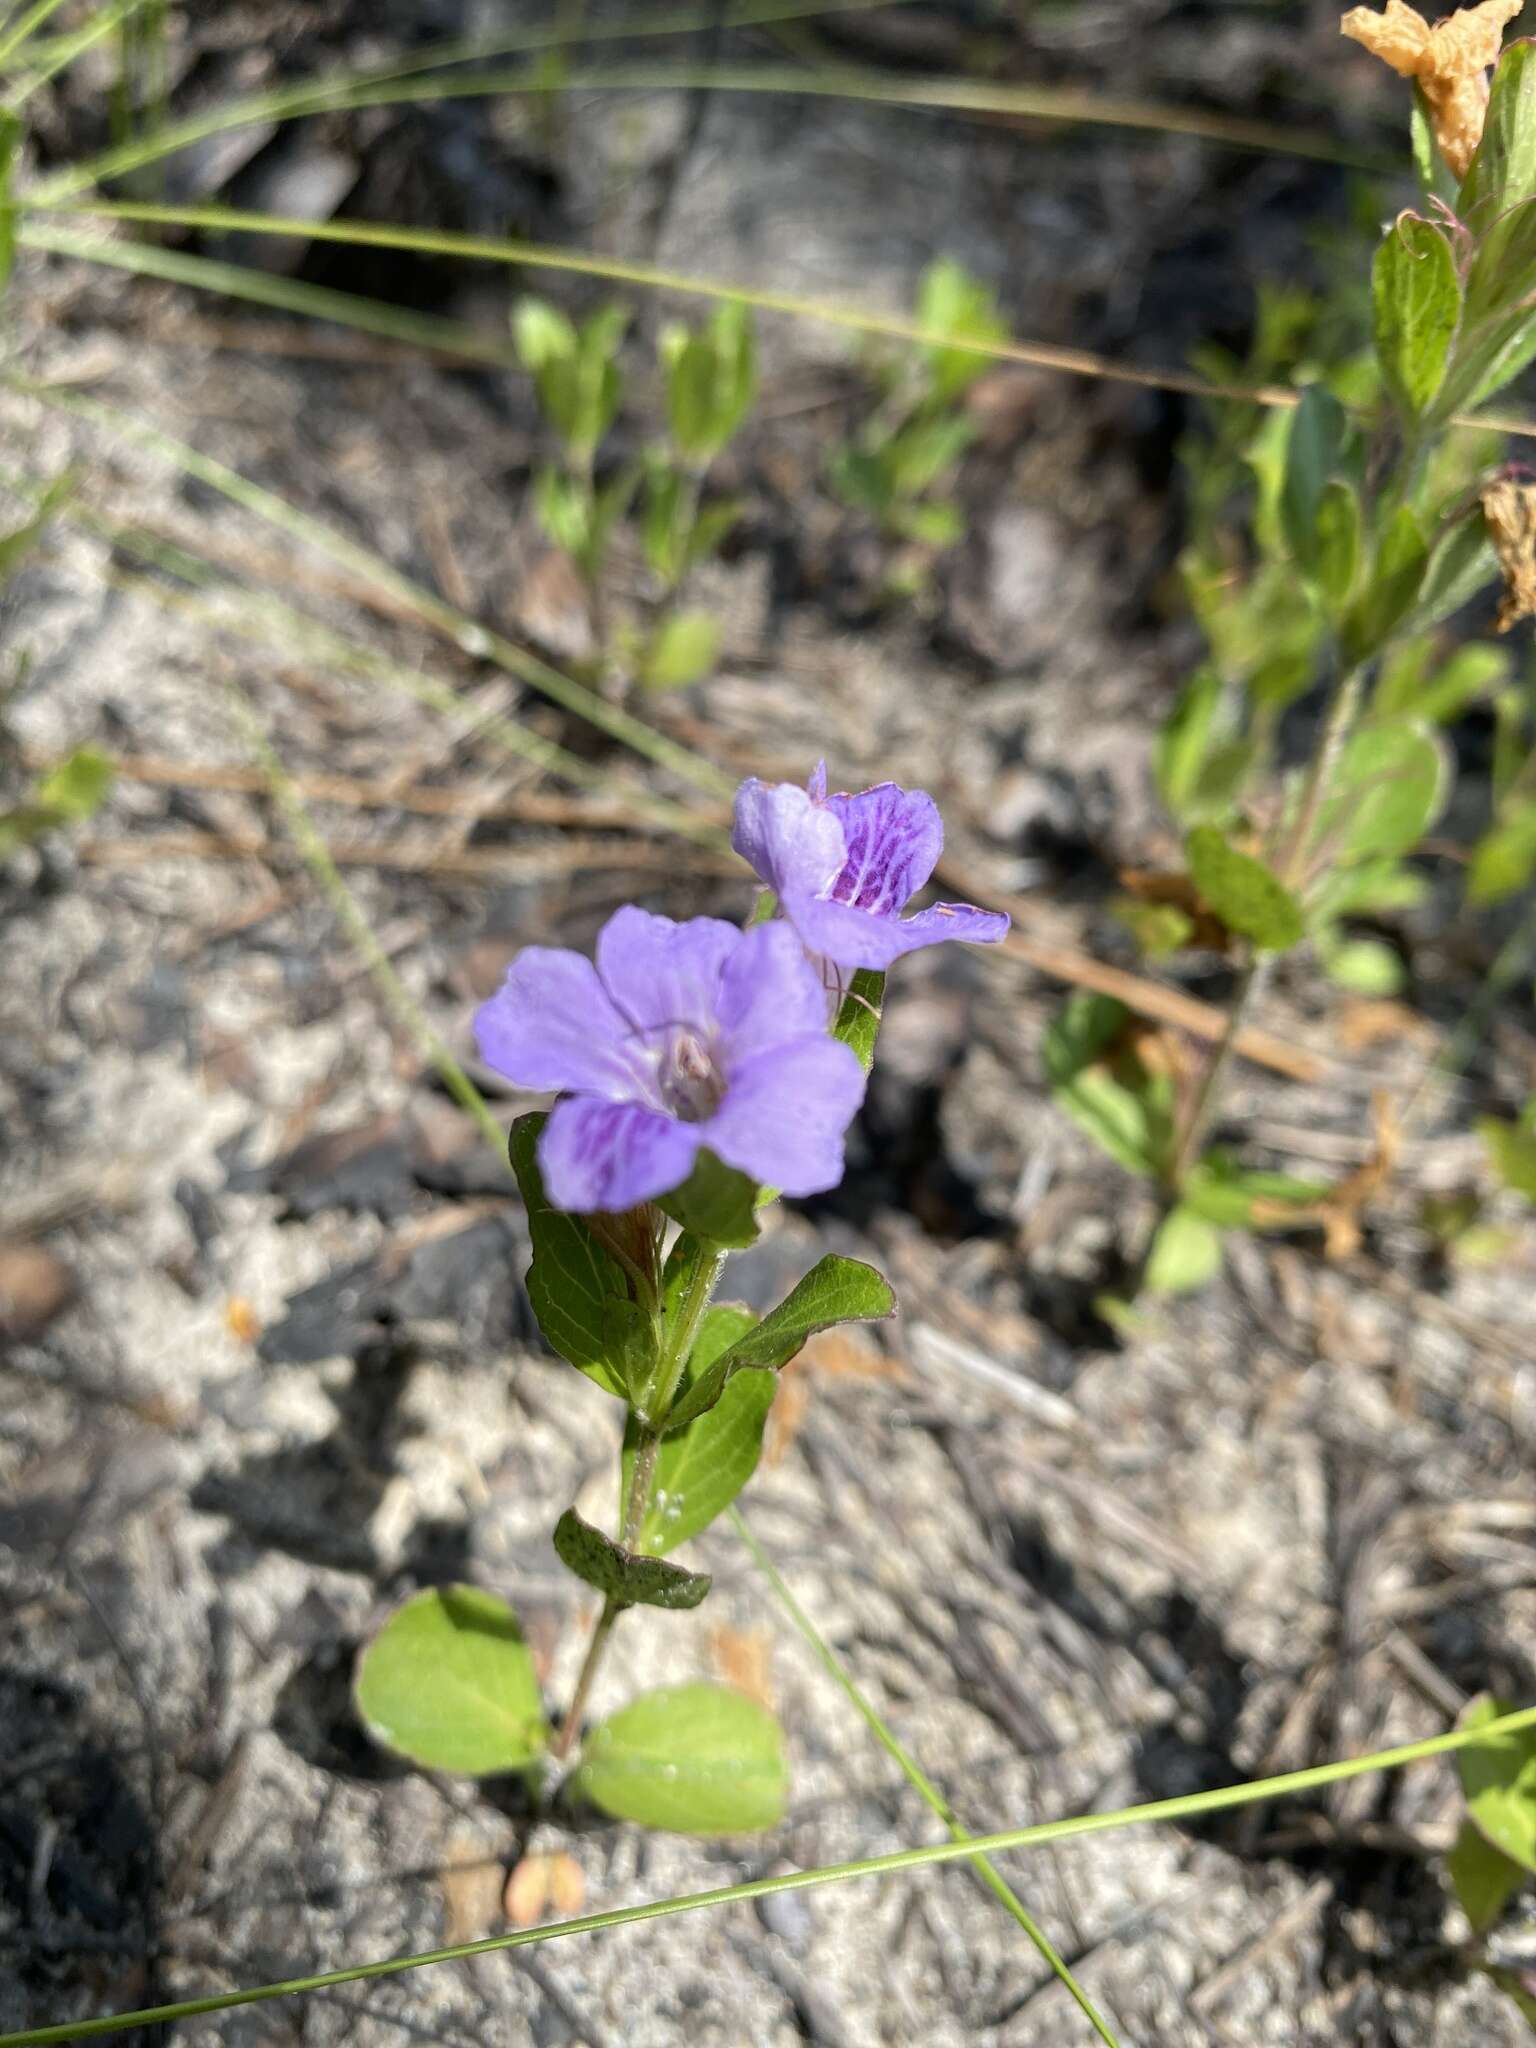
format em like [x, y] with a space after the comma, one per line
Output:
[551, 1025]
[769, 992]
[816, 783]
[785, 1113]
[894, 837]
[861, 938]
[612, 1155]
[787, 839]
[660, 972]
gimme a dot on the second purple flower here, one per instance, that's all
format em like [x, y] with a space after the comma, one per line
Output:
[844, 867]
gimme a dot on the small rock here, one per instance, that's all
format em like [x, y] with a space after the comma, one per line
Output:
[34, 1288]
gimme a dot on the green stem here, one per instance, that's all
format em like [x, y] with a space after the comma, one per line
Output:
[570, 1727]
[684, 1327]
[1188, 1807]
[1207, 1097]
[1337, 727]
[918, 1778]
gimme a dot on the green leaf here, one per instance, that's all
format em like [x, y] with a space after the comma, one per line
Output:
[858, 1017]
[711, 380]
[1512, 1154]
[1502, 174]
[1393, 584]
[1483, 1878]
[10, 139]
[1124, 1109]
[1499, 1780]
[1184, 740]
[564, 512]
[1318, 429]
[1504, 859]
[1224, 1193]
[579, 1294]
[449, 1682]
[1390, 785]
[623, 1577]
[542, 335]
[925, 450]
[16, 545]
[1337, 543]
[951, 301]
[77, 787]
[1186, 1253]
[1410, 688]
[1242, 891]
[1366, 967]
[1417, 302]
[683, 650]
[1461, 563]
[932, 522]
[716, 1202]
[836, 1290]
[696, 1759]
[701, 1468]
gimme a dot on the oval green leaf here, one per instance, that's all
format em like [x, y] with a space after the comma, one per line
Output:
[449, 1682]
[1417, 303]
[1241, 890]
[1499, 1780]
[1389, 788]
[695, 1759]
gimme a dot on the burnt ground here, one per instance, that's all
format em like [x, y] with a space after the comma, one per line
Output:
[268, 1364]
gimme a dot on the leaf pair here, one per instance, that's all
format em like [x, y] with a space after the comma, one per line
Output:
[449, 1683]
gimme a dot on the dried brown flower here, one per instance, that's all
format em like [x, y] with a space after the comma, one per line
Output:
[1510, 510]
[1450, 61]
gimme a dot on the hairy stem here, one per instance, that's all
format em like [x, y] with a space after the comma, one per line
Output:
[1337, 727]
[570, 1727]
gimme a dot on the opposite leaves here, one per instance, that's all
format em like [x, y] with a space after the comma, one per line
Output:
[836, 1290]
[622, 1577]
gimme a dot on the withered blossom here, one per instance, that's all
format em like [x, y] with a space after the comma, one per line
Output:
[1509, 508]
[1448, 59]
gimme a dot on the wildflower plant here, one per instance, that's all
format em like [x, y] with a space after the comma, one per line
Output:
[897, 468]
[1369, 523]
[709, 375]
[702, 1070]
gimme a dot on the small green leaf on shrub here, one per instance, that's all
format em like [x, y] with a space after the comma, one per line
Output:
[1244, 894]
[836, 1290]
[1483, 1878]
[1498, 1779]
[1504, 859]
[573, 1284]
[1185, 739]
[1461, 563]
[696, 1759]
[1417, 303]
[683, 650]
[77, 787]
[449, 1682]
[1186, 1253]
[700, 1469]
[623, 1576]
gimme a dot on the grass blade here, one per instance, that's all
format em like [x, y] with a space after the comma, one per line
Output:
[465, 632]
[916, 1776]
[328, 95]
[1189, 1807]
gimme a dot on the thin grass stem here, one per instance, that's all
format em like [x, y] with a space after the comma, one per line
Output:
[915, 1775]
[897, 1862]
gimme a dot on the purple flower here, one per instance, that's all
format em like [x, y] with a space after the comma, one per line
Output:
[681, 1036]
[844, 868]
